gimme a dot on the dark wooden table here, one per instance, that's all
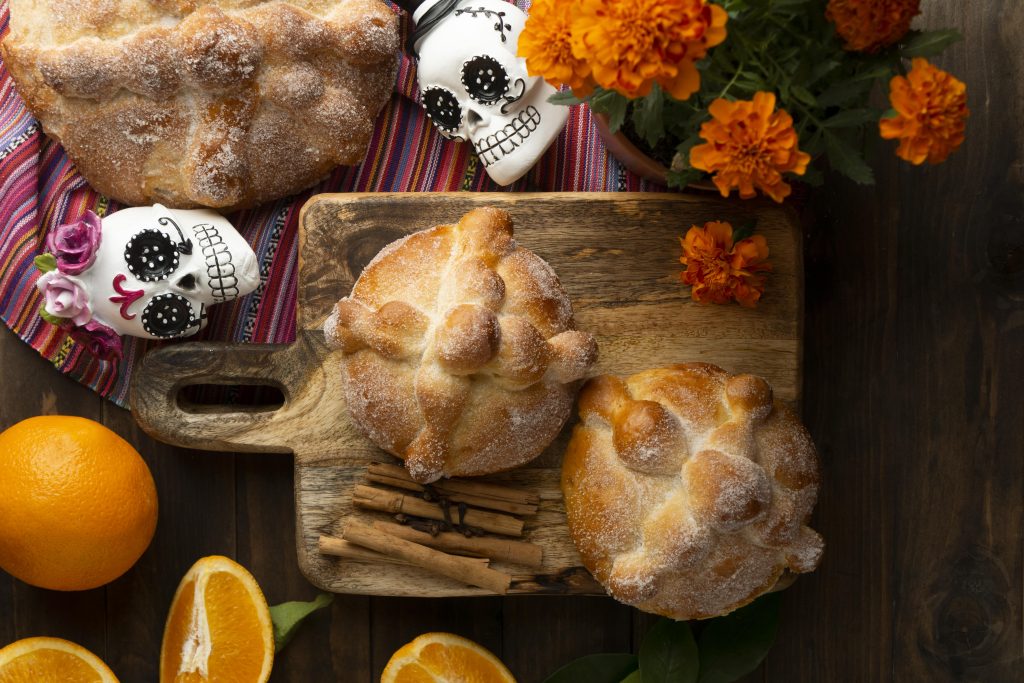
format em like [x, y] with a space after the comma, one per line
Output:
[913, 390]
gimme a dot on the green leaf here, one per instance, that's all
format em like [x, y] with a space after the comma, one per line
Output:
[565, 97]
[844, 92]
[611, 103]
[633, 677]
[734, 645]
[846, 160]
[851, 87]
[648, 116]
[288, 616]
[603, 668]
[52, 319]
[45, 262]
[617, 114]
[669, 654]
[929, 43]
[822, 69]
[681, 179]
[850, 118]
[801, 93]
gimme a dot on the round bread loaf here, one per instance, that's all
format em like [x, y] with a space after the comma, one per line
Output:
[460, 350]
[218, 103]
[688, 490]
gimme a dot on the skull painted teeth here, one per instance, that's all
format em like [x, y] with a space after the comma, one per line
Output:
[220, 267]
[158, 269]
[475, 88]
[494, 148]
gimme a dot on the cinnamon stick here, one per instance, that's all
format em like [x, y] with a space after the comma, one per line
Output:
[339, 547]
[481, 489]
[467, 498]
[464, 569]
[518, 552]
[390, 501]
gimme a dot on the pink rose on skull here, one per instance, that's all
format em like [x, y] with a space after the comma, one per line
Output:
[74, 245]
[64, 297]
[99, 340]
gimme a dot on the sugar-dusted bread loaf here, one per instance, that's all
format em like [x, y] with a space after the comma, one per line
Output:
[219, 103]
[688, 490]
[460, 351]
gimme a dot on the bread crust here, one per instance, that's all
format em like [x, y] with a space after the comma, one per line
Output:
[461, 354]
[224, 103]
[688, 491]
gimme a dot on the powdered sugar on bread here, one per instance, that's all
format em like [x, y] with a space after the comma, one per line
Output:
[471, 339]
[728, 478]
[267, 97]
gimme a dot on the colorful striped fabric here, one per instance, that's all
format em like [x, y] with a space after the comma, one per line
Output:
[39, 188]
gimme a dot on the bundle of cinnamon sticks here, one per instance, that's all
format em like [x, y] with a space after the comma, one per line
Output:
[441, 527]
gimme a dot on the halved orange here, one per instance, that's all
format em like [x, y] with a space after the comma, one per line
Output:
[219, 627]
[51, 660]
[445, 658]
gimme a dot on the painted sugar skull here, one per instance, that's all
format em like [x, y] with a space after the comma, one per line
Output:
[475, 88]
[146, 272]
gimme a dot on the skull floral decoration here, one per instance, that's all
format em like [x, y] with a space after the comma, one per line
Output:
[147, 272]
[475, 87]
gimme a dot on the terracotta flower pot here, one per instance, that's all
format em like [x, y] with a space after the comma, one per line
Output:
[631, 156]
[636, 160]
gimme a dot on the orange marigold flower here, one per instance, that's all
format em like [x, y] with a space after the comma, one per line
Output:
[931, 114]
[633, 44]
[546, 45]
[718, 270]
[870, 25]
[749, 145]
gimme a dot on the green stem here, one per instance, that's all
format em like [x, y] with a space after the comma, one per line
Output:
[806, 112]
[735, 76]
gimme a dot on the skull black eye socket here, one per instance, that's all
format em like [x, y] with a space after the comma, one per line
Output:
[485, 79]
[168, 315]
[443, 108]
[151, 255]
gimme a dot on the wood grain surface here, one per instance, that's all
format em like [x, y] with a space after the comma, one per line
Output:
[912, 390]
[617, 257]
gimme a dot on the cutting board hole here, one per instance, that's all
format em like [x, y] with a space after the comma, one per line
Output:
[212, 398]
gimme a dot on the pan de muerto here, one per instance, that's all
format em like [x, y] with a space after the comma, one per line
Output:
[688, 490]
[219, 103]
[460, 350]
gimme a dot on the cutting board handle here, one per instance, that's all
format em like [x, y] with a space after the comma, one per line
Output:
[165, 415]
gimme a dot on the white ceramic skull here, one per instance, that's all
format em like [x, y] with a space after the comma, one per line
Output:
[156, 270]
[474, 87]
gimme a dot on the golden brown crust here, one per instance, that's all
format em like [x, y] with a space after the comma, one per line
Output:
[688, 491]
[461, 353]
[224, 103]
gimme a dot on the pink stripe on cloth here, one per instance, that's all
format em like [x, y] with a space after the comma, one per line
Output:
[40, 188]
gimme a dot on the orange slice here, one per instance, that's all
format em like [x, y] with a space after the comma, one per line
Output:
[51, 660]
[444, 658]
[219, 628]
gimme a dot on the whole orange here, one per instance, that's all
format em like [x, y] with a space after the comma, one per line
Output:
[78, 504]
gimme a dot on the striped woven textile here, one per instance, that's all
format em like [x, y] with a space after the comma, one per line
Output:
[39, 188]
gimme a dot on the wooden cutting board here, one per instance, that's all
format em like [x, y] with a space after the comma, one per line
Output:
[616, 254]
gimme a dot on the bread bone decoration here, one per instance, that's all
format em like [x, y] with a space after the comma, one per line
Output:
[688, 491]
[146, 272]
[475, 87]
[460, 350]
[221, 103]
